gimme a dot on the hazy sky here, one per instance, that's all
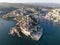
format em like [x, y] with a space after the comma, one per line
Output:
[25, 1]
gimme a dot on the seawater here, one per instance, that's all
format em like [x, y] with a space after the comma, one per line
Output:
[51, 34]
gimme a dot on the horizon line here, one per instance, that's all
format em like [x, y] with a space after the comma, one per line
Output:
[29, 2]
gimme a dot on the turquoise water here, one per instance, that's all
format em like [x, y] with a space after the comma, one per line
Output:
[51, 35]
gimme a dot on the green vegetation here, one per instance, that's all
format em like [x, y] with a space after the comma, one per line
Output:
[54, 18]
[18, 18]
[5, 16]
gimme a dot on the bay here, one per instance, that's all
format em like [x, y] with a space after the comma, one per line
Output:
[51, 34]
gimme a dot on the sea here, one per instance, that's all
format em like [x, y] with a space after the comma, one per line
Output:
[51, 34]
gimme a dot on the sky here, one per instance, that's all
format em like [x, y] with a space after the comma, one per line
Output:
[33, 1]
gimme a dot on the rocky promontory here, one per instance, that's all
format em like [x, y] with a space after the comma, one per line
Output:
[27, 22]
